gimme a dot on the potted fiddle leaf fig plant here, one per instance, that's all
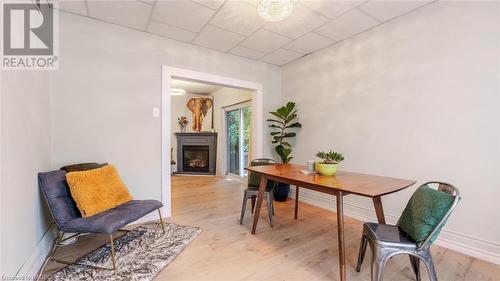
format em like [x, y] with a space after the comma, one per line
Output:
[328, 166]
[283, 122]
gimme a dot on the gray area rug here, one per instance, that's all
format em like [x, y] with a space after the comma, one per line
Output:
[140, 254]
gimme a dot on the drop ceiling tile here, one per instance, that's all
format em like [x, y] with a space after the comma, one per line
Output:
[281, 57]
[75, 7]
[183, 14]
[170, 31]
[347, 25]
[247, 53]
[265, 41]
[216, 38]
[384, 10]
[252, 2]
[309, 43]
[238, 16]
[332, 9]
[301, 21]
[212, 4]
[133, 14]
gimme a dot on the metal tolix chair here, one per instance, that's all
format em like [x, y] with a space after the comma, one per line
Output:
[387, 241]
[253, 190]
[68, 219]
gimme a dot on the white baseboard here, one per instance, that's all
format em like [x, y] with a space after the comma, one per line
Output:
[471, 246]
[478, 248]
[32, 266]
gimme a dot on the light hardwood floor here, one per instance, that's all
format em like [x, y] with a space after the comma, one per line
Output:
[303, 249]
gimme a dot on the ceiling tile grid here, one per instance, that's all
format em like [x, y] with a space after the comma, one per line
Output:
[238, 16]
[171, 32]
[280, 57]
[247, 53]
[133, 14]
[301, 21]
[234, 27]
[347, 25]
[309, 43]
[183, 14]
[265, 41]
[216, 38]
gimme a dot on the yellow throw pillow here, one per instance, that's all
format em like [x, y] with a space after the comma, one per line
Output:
[97, 190]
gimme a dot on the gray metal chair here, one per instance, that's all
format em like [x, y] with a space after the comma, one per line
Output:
[387, 241]
[253, 190]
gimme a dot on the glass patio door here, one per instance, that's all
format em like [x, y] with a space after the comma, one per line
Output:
[238, 124]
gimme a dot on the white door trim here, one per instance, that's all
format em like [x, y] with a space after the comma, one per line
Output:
[257, 119]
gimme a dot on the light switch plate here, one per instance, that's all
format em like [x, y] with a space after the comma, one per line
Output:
[156, 112]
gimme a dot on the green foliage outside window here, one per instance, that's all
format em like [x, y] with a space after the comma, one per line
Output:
[233, 123]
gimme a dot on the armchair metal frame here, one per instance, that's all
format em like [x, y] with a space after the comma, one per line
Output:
[68, 219]
[382, 251]
[60, 239]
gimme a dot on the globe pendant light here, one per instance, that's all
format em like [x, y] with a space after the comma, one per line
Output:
[274, 10]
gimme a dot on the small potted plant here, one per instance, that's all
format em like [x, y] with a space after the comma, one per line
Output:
[182, 123]
[328, 166]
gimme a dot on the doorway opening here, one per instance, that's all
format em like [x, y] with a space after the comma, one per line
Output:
[215, 127]
[207, 137]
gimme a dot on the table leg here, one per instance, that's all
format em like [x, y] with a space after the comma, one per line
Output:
[340, 229]
[379, 210]
[296, 201]
[262, 188]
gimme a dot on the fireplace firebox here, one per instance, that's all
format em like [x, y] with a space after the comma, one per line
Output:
[196, 153]
[196, 158]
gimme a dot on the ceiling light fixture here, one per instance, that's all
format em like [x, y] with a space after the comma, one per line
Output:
[177, 92]
[274, 10]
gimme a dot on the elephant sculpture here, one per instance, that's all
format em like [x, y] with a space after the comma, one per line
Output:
[199, 107]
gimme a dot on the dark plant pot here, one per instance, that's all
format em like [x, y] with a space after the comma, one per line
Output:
[281, 191]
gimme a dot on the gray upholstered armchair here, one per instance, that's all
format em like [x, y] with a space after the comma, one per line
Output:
[68, 219]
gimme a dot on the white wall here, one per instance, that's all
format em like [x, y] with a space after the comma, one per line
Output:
[109, 80]
[25, 141]
[416, 98]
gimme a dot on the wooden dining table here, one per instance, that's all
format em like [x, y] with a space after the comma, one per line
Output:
[339, 185]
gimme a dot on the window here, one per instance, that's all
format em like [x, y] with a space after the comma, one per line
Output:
[239, 126]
